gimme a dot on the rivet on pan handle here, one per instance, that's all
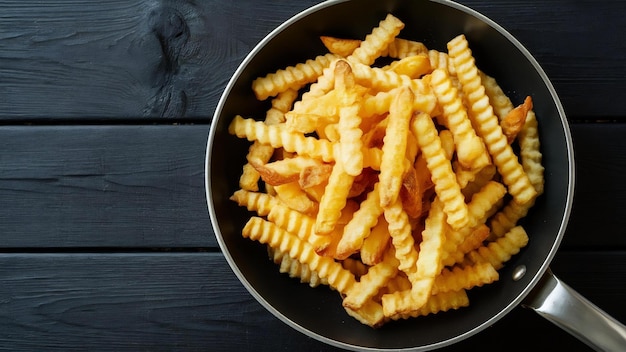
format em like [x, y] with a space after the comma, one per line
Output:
[560, 304]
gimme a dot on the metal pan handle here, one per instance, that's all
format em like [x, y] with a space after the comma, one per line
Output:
[560, 304]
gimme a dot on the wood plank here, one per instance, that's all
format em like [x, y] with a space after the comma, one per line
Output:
[103, 186]
[600, 194]
[125, 59]
[186, 301]
[171, 59]
[131, 186]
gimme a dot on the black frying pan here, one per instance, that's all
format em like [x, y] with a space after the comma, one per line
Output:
[318, 312]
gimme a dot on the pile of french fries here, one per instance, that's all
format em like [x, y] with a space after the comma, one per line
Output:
[392, 173]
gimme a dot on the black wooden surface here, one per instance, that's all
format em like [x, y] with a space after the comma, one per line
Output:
[105, 240]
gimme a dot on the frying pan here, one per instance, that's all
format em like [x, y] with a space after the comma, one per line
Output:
[525, 280]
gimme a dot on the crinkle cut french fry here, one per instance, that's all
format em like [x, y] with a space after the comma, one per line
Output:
[261, 203]
[276, 114]
[383, 80]
[350, 142]
[371, 314]
[442, 61]
[278, 136]
[334, 198]
[295, 269]
[366, 53]
[295, 198]
[284, 170]
[360, 225]
[401, 48]
[464, 278]
[530, 152]
[428, 266]
[441, 302]
[431, 248]
[298, 224]
[470, 149]
[340, 46]
[408, 301]
[394, 147]
[375, 244]
[401, 236]
[455, 253]
[266, 232]
[497, 98]
[335, 235]
[369, 284]
[443, 177]
[377, 41]
[487, 124]
[412, 194]
[508, 216]
[412, 66]
[500, 251]
[292, 77]
[514, 121]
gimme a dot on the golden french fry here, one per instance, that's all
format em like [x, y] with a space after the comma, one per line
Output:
[514, 121]
[482, 115]
[371, 314]
[471, 151]
[465, 278]
[440, 302]
[340, 46]
[500, 251]
[401, 236]
[261, 203]
[412, 66]
[266, 232]
[278, 136]
[412, 193]
[292, 77]
[295, 269]
[298, 224]
[347, 213]
[447, 143]
[376, 243]
[350, 133]
[371, 282]
[442, 175]
[334, 198]
[377, 41]
[285, 170]
[384, 80]
[295, 198]
[501, 103]
[276, 114]
[359, 227]
[401, 48]
[530, 152]
[307, 122]
[440, 60]
[394, 147]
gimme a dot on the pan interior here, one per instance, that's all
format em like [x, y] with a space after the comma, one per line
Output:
[318, 312]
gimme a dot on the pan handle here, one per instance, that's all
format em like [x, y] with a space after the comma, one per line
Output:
[560, 304]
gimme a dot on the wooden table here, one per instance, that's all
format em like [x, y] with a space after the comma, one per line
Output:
[105, 107]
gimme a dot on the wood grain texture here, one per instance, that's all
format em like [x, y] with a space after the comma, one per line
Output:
[159, 59]
[124, 59]
[599, 194]
[186, 302]
[103, 186]
[130, 186]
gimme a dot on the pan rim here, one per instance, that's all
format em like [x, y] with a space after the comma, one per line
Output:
[493, 319]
